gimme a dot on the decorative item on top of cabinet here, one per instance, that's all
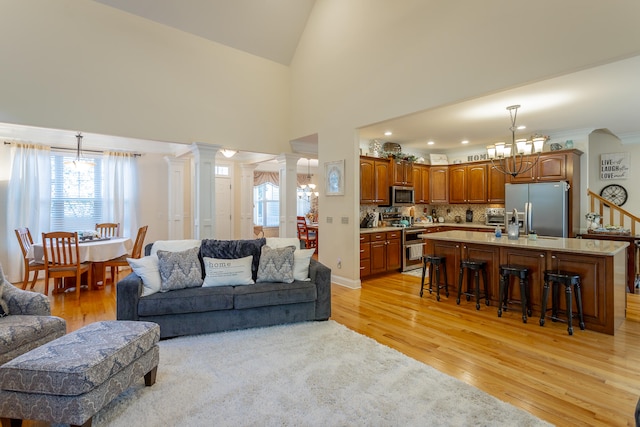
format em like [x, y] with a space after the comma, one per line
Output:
[374, 180]
[439, 184]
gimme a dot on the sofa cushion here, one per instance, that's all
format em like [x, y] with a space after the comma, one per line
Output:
[189, 300]
[230, 249]
[21, 333]
[4, 308]
[301, 257]
[227, 272]
[276, 265]
[179, 270]
[267, 294]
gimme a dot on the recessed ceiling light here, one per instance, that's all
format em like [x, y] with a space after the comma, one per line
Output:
[430, 143]
[521, 127]
[388, 133]
[465, 142]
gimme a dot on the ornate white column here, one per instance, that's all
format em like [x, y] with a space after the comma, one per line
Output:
[204, 189]
[288, 169]
[246, 202]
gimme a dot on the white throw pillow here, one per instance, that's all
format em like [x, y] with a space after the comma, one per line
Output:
[147, 268]
[226, 272]
[282, 242]
[174, 245]
[301, 261]
[301, 257]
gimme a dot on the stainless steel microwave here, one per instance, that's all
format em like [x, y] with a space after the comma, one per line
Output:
[402, 196]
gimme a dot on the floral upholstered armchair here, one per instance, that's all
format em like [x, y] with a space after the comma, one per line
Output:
[25, 321]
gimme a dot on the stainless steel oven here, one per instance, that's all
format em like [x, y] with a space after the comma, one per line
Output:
[412, 248]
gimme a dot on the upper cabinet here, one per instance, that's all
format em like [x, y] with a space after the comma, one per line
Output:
[439, 184]
[374, 180]
[552, 166]
[468, 183]
[495, 184]
[421, 182]
[402, 172]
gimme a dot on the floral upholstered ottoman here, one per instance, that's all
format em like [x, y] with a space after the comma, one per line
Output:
[68, 380]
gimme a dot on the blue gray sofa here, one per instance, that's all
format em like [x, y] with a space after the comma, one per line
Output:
[198, 310]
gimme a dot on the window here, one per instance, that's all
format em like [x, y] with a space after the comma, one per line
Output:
[266, 202]
[303, 206]
[76, 192]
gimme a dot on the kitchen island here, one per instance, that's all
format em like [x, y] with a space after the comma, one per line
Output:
[600, 263]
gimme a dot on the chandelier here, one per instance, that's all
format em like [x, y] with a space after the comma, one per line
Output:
[518, 156]
[307, 189]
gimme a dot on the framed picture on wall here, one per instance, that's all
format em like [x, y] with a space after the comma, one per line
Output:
[334, 178]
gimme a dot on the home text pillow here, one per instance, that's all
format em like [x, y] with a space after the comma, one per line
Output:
[179, 270]
[276, 264]
[174, 245]
[301, 261]
[225, 272]
[148, 269]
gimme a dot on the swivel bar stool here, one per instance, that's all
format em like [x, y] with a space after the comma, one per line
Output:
[506, 272]
[435, 262]
[475, 266]
[569, 280]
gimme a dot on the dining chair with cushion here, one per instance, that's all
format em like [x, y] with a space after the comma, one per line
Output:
[62, 259]
[108, 229]
[121, 261]
[24, 238]
[309, 238]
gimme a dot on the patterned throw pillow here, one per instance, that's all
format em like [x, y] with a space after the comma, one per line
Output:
[276, 265]
[4, 308]
[179, 270]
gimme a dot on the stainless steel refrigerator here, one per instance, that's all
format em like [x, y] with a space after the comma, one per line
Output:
[542, 207]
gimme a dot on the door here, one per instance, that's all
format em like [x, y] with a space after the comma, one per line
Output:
[224, 204]
[548, 205]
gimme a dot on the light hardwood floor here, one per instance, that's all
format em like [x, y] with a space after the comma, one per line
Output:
[585, 379]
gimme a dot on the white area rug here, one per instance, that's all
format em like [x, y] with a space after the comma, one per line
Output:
[307, 374]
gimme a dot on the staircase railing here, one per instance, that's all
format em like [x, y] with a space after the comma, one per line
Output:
[617, 215]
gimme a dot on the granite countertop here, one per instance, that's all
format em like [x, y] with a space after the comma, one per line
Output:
[427, 225]
[559, 244]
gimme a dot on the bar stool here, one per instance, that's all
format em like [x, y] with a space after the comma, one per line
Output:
[506, 272]
[569, 280]
[476, 266]
[435, 262]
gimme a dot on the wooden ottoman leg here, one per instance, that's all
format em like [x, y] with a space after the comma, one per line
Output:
[11, 422]
[150, 377]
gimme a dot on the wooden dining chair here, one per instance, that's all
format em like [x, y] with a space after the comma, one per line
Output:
[121, 261]
[310, 239]
[62, 259]
[26, 241]
[108, 229]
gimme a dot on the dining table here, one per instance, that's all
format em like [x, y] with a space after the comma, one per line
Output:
[313, 228]
[95, 251]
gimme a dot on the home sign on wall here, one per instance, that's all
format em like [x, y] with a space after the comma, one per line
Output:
[614, 166]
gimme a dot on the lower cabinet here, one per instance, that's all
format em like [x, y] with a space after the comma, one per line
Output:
[381, 253]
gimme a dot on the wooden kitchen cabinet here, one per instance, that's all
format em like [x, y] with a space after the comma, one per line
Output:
[384, 251]
[374, 180]
[365, 255]
[552, 166]
[468, 183]
[495, 184]
[401, 172]
[421, 183]
[439, 184]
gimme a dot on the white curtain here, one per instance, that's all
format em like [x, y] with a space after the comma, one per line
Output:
[120, 191]
[28, 200]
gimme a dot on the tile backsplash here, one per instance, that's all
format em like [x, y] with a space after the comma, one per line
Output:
[448, 212]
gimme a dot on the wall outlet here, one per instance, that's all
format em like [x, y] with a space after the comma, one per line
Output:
[339, 263]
